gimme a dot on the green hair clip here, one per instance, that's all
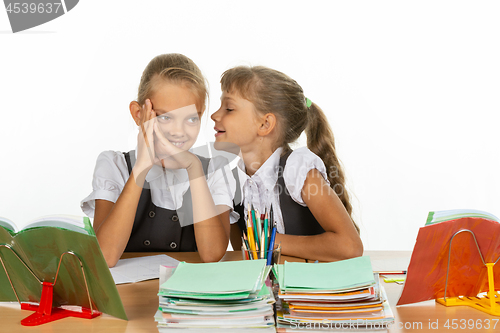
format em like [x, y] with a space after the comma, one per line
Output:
[308, 102]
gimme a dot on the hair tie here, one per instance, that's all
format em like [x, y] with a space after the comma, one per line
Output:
[308, 102]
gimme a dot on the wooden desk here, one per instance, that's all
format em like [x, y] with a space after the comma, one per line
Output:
[139, 299]
[141, 302]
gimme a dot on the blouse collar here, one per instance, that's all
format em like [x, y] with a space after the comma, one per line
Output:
[266, 175]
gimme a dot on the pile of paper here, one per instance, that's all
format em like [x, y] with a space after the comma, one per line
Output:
[336, 295]
[215, 296]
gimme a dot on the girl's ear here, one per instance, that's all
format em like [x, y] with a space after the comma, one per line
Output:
[135, 111]
[267, 124]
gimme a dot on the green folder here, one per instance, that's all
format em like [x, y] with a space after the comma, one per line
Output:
[229, 277]
[207, 299]
[332, 276]
[40, 248]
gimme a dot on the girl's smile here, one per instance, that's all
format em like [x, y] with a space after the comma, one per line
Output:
[236, 120]
[178, 144]
[219, 132]
[176, 114]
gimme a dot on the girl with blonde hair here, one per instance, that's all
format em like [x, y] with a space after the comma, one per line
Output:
[161, 197]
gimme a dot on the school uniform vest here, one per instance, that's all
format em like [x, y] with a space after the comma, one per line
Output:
[298, 220]
[158, 229]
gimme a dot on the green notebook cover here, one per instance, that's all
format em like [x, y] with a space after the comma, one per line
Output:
[338, 275]
[264, 293]
[221, 278]
[447, 215]
[40, 248]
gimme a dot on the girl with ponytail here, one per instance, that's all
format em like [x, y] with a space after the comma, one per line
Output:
[263, 111]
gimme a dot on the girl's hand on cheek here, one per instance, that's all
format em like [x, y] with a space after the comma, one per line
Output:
[145, 139]
[170, 156]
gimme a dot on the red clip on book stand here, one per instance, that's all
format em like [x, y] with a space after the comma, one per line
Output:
[45, 313]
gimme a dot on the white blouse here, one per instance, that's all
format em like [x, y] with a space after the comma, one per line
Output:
[261, 189]
[167, 186]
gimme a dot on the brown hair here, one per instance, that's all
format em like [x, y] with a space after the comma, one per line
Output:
[274, 92]
[173, 68]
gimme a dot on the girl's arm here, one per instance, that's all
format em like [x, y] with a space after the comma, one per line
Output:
[211, 223]
[113, 222]
[340, 239]
[235, 237]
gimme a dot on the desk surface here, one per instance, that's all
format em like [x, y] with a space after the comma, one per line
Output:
[141, 302]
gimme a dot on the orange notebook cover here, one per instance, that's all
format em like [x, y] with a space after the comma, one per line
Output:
[329, 308]
[426, 276]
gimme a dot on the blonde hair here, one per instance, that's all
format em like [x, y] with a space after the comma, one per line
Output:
[274, 92]
[173, 68]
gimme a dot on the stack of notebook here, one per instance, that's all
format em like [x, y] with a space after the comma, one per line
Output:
[213, 296]
[342, 294]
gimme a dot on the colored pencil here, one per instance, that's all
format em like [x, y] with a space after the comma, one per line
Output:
[262, 248]
[244, 248]
[245, 241]
[251, 241]
[266, 235]
[271, 246]
[256, 233]
[259, 225]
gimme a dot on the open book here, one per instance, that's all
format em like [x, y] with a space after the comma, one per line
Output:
[73, 223]
[448, 215]
[39, 247]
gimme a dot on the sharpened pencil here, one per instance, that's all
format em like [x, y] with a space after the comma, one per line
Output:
[244, 248]
[251, 241]
[266, 234]
[255, 230]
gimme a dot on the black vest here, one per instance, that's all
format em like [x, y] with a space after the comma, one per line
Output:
[298, 220]
[157, 229]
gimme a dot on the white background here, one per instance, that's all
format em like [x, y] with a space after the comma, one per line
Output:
[411, 90]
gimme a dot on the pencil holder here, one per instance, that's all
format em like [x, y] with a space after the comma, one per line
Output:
[252, 255]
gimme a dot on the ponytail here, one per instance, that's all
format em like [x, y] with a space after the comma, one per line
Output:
[275, 92]
[320, 141]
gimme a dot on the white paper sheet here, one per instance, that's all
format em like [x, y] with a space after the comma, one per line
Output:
[141, 268]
